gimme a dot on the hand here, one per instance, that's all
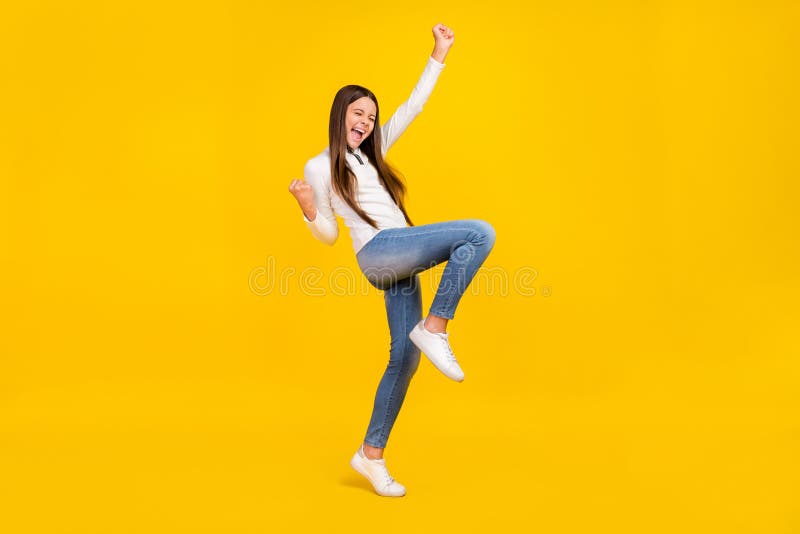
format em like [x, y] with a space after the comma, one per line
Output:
[443, 36]
[304, 194]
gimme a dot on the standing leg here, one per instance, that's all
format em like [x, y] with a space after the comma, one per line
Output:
[403, 310]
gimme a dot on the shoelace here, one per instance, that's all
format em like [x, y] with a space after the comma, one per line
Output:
[387, 478]
[450, 356]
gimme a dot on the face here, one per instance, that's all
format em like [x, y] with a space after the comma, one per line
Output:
[360, 120]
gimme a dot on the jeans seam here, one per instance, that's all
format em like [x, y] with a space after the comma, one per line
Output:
[451, 297]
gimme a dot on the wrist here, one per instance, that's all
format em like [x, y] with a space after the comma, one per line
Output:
[439, 53]
[309, 211]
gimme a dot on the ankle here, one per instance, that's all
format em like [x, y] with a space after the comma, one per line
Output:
[372, 453]
[435, 324]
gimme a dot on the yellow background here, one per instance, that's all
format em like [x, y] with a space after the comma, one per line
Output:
[641, 157]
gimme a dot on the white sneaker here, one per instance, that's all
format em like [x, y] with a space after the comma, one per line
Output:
[436, 347]
[375, 471]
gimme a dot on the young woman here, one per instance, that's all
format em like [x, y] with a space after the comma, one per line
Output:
[351, 178]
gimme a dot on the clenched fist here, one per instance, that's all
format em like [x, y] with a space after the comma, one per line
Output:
[443, 36]
[304, 195]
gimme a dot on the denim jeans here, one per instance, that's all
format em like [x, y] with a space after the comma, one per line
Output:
[392, 261]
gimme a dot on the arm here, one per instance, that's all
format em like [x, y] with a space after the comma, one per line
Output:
[407, 112]
[315, 202]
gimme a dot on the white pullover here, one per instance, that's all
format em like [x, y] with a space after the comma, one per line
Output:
[371, 195]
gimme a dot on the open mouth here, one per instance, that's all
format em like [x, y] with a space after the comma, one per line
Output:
[357, 134]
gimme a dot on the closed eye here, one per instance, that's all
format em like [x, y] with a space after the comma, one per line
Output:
[359, 113]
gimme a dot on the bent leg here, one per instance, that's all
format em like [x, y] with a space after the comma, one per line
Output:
[396, 253]
[467, 257]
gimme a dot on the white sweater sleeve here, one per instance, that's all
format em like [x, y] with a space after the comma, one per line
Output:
[412, 107]
[324, 227]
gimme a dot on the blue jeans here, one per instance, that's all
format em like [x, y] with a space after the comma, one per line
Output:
[392, 261]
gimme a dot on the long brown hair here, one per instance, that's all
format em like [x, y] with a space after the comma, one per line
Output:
[343, 180]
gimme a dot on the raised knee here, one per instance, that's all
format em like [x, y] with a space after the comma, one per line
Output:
[486, 232]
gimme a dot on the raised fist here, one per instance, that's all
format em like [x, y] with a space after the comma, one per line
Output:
[443, 36]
